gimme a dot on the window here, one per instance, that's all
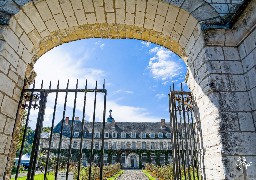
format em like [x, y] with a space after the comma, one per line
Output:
[123, 145]
[152, 135]
[97, 135]
[152, 145]
[133, 145]
[168, 135]
[75, 144]
[85, 145]
[114, 145]
[143, 135]
[144, 145]
[114, 135]
[76, 134]
[133, 135]
[123, 135]
[97, 145]
[161, 145]
[105, 145]
[160, 135]
[106, 135]
[169, 145]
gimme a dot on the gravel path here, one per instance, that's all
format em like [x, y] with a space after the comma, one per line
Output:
[132, 175]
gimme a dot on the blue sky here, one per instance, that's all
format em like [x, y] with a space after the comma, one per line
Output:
[138, 75]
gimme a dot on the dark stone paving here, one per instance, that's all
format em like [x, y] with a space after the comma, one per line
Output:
[132, 175]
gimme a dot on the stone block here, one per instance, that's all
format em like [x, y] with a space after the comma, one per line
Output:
[167, 29]
[189, 27]
[80, 17]
[27, 42]
[61, 21]
[141, 6]
[249, 61]
[242, 51]
[14, 25]
[151, 9]
[172, 14]
[3, 119]
[66, 8]
[100, 15]
[182, 17]
[88, 6]
[229, 122]
[4, 65]
[246, 121]
[34, 37]
[9, 107]
[242, 143]
[26, 57]
[6, 84]
[54, 7]
[9, 126]
[71, 20]
[24, 21]
[51, 25]
[139, 19]
[237, 82]
[231, 53]
[43, 10]
[250, 42]
[159, 23]
[250, 78]
[120, 16]
[214, 53]
[11, 38]
[91, 18]
[3, 141]
[253, 98]
[35, 17]
[148, 24]
[232, 67]
[130, 6]
[12, 75]
[162, 9]
[16, 94]
[120, 4]
[111, 18]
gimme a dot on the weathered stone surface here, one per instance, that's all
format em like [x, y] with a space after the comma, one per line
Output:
[9, 107]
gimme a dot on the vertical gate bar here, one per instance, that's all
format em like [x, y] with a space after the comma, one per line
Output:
[185, 131]
[72, 129]
[93, 122]
[82, 133]
[178, 172]
[181, 137]
[50, 142]
[26, 125]
[174, 146]
[190, 125]
[61, 131]
[16, 122]
[103, 132]
[35, 145]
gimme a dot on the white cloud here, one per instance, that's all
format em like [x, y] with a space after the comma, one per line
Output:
[100, 44]
[163, 65]
[160, 96]
[146, 43]
[60, 65]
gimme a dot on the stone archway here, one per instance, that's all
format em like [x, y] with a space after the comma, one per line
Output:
[220, 61]
[132, 161]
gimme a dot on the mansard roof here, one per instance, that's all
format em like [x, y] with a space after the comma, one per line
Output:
[118, 127]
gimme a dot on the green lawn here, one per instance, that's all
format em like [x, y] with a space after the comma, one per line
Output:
[148, 175]
[37, 177]
[116, 175]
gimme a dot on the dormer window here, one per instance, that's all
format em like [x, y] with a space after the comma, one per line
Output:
[143, 135]
[152, 135]
[160, 135]
[76, 134]
[75, 144]
[106, 135]
[114, 135]
[133, 135]
[168, 135]
[123, 135]
[97, 135]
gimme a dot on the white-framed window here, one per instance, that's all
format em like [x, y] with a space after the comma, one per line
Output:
[161, 145]
[123, 135]
[169, 145]
[143, 135]
[153, 145]
[168, 135]
[144, 145]
[97, 135]
[97, 145]
[133, 145]
[106, 135]
[75, 144]
[123, 145]
[160, 135]
[114, 145]
[152, 135]
[133, 134]
[114, 135]
[105, 145]
[76, 134]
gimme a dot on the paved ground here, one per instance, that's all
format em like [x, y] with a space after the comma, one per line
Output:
[132, 175]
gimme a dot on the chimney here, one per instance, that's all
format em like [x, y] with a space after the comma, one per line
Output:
[162, 123]
[66, 120]
[77, 118]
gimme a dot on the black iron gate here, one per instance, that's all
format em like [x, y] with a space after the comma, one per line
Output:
[186, 137]
[48, 154]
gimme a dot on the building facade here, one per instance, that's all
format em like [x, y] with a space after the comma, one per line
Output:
[130, 143]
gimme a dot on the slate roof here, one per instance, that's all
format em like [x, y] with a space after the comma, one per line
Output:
[118, 127]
